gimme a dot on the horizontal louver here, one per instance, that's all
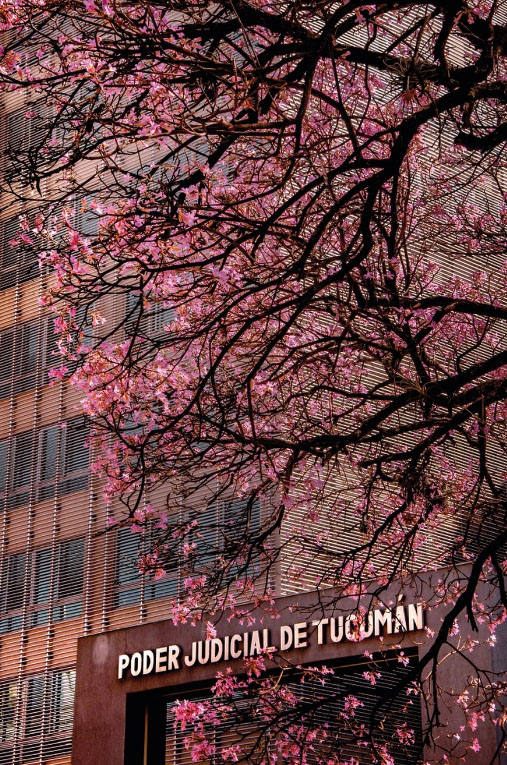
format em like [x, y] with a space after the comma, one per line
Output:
[318, 706]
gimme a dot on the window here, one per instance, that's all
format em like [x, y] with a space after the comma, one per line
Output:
[70, 579]
[6, 354]
[220, 529]
[86, 220]
[74, 457]
[221, 526]
[3, 469]
[12, 592]
[130, 585]
[26, 128]
[148, 322]
[47, 698]
[67, 575]
[53, 579]
[41, 589]
[55, 456]
[9, 694]
[64, 684]
[25, 351]
[41, 709]
[34, 707]
[23, 447]
[26, 137]
[18, 262]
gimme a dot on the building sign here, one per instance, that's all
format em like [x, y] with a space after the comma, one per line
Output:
[353, 627]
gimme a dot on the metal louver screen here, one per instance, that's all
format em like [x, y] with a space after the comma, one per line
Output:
[321, 707]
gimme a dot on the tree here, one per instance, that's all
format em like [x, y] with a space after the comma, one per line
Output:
[301, 208]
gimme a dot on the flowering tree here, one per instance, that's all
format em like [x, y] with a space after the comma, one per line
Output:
[285, 223]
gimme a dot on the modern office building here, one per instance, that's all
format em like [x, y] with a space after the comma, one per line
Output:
[64, 575]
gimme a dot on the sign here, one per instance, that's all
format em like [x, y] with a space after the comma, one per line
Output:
[353, 627]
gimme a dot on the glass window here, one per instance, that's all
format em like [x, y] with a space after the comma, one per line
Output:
[3, 467]
[128, 548]
[26, 344]
[75, 449]
[6, 359]
[63, 454]
[86, 220]
[48, 709]
[62, 712]
[12, 593]
[70, 574]
[14, 585]
[41, 587]
[166, 587]
[18, 358]
[10, 230]
[133, 308]
[69, 587]
[241, 517]
[75, 457]
[67, 443]
[8, 253]
[67, 582]
[21, 469]
[57, 582]
[9, 694]
[25, 350]
[49, 453]
[53, 357]
[129, 582]
[159, 317]
[17, 262]
[49, 462]
[149, 322]
[26, 133]
[34, 707]
[221, 526]
[205, 536]
[22, 459]
[16, 131]
[42, 576]
[220, 531]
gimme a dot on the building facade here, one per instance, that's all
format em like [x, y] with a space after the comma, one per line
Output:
[90, 661]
